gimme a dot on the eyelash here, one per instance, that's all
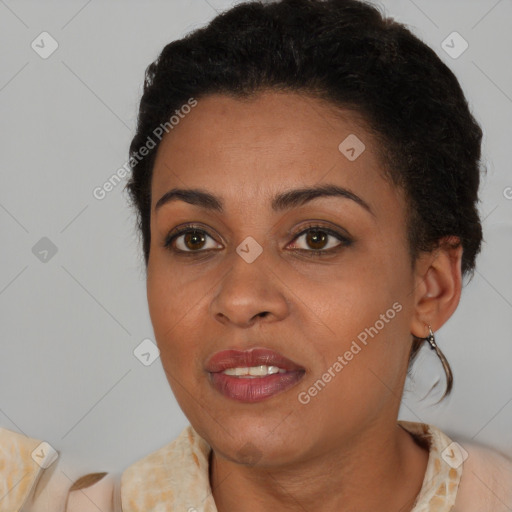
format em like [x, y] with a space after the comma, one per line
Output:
[345, 242]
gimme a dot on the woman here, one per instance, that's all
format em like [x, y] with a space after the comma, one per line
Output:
[305, 177]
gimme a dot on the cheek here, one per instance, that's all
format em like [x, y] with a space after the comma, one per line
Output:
[362, 374]
[364, 350]
[161, 301]
[169, 305]
[178, 295]
[178, 352]
[169, 296]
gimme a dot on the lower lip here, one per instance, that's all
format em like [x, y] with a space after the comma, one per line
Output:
[254, 389]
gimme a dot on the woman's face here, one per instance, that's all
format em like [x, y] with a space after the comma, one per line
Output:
[344, 317]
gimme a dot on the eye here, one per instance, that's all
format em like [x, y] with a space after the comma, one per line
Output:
[191, 239]
[188, 238]
[317, 237]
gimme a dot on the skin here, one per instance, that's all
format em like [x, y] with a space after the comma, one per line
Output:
[344, 448]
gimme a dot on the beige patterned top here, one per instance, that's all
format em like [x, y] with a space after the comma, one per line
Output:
[183, 465]
[461, 477]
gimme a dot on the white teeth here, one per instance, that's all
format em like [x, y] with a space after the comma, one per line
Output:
[253, 371]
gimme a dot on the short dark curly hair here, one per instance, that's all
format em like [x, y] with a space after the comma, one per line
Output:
[350, 54]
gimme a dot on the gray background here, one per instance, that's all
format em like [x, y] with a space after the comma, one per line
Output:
[70, 323]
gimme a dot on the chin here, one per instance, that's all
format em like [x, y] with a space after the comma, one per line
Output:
[249, 442]
[257, 452]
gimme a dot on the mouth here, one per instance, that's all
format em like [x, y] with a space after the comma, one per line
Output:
[252, 375]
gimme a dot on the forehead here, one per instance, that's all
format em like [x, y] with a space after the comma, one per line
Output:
[271, 141]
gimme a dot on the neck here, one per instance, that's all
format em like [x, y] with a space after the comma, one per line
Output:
[381, 470]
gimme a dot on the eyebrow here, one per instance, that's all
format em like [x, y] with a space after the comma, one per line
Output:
[280, 202]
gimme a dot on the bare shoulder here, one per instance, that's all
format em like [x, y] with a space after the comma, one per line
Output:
[486, 482]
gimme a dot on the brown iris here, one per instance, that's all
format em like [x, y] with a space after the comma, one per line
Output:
[195, 237]
[316, 238]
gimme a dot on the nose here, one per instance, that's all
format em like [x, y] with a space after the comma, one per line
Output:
[249, 291]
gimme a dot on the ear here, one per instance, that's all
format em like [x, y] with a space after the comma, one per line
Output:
[437, 286]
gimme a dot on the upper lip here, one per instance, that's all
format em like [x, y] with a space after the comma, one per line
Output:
[224, 359]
